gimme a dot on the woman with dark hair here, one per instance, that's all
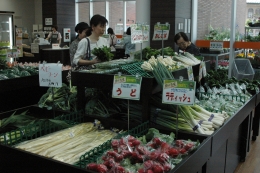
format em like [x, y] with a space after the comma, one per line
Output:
[113, 38]
[81, 30]
[55, 36]
[126, 41]
[185, 45]
[83, 56]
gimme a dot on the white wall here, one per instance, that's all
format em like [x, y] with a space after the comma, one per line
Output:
[26, 12]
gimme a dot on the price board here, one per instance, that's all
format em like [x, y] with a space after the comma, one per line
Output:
[12, 53]
[161, 32]
[216, 45]
[50, 74]
[136, 33]
[178, 92]
[127, 87]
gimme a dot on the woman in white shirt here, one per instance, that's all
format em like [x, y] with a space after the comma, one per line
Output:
[83, 55]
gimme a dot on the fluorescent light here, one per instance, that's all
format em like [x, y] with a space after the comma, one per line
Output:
[11, 31]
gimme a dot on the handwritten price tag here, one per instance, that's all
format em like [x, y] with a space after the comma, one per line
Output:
[178, 92]
[50, 75]
[127, 87]
[161, 32]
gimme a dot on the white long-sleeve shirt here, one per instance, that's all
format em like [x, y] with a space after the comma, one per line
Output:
[81, 52]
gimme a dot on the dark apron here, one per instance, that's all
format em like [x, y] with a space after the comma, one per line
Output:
[54, 38]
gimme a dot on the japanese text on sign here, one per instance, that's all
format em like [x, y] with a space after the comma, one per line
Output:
[50, 75]
[216, 45]
[178, 92]
[126, 87]
[161, 31]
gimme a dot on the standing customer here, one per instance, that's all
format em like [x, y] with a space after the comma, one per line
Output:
[83, 57]
[129, 47]
[185, 45]
[81, 29]
[55, 36]
[113, 39]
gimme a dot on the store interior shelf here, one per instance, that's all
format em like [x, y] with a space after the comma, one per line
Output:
[226, 44]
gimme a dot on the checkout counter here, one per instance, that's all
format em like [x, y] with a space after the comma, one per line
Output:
[50, 55]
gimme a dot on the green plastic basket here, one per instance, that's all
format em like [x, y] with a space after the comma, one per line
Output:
[39, 129]
[97, 152]
[135, 68]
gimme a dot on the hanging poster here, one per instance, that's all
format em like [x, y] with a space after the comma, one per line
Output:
[161, 32]
[66, 34]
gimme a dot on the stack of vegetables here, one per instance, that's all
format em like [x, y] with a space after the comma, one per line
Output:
[109, 67]
[63, 98]
[12, 129]
[187, 59]
[162, 67]
[149, 52]
[152, 153]
[69, 144]
[218, 93]
[16, 71]
[187, 118]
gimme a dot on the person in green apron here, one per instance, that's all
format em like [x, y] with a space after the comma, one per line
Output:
[54, 36]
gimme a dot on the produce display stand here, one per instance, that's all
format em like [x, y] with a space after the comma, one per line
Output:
[105, 82]
[22, 91]
[256, 119]
[230, 142]
[218, 153]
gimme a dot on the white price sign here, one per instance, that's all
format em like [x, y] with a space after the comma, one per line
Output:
[161, 31]
[10, 53]
[136, 33]
[216, 45]
[50, 74]
[178, 92]
[127, 87]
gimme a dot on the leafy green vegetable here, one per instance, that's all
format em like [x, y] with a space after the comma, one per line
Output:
[103, 54]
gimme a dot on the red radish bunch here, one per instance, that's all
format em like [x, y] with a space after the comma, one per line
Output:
[97, 167]
[155, 155]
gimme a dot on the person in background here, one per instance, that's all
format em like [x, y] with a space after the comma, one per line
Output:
[185, 45]
[83, 56]
[55, 36]
[126, 41]
[113, 39]
[81, 29]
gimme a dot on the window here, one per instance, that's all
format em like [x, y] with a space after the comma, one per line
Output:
[83, 12]
[250, 13]
[99, 8]
[116, 16]
[130, 15]
[257, 12]
[120, 14]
